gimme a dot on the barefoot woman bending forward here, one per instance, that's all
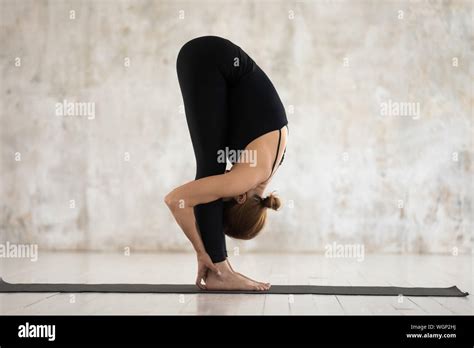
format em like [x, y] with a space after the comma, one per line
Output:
[231, 107]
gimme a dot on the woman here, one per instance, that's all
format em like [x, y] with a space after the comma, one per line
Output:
[233, 111]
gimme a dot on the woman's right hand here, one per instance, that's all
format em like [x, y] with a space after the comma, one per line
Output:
[205, 265]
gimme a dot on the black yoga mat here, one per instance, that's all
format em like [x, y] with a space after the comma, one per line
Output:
[452, 291]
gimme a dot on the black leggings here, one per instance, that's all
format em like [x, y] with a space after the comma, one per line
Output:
[228, 101]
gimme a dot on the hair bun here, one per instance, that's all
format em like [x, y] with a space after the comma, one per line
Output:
[272, 202]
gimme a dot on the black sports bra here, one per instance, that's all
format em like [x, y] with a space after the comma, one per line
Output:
[278, 151]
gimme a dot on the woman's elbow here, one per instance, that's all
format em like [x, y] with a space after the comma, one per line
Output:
[175, 202]
[170, 201]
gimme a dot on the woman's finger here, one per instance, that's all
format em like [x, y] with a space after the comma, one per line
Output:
[199, 284]
[204, 275]
[213, 267]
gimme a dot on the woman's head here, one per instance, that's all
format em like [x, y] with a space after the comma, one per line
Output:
[245, 216]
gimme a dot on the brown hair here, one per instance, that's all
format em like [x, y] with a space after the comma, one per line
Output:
[246, 220]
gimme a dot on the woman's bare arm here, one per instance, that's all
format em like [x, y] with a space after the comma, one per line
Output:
[186, 220]
[181, 202]
[238, 181]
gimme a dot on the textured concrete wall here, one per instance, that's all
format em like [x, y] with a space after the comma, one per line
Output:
[361, 167]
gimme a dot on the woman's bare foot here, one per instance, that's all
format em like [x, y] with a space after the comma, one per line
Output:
[229, 280]
[265, 285]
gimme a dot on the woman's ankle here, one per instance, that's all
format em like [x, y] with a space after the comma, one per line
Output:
[223, 267]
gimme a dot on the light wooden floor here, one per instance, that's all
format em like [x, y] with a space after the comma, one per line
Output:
[396, 270]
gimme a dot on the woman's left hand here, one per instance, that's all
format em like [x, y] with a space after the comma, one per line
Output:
[205, 265]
